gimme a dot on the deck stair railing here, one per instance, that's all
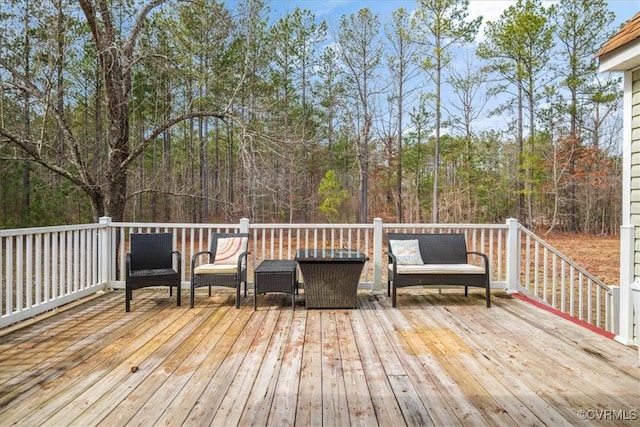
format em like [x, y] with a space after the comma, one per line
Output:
[553, 278]
[45, 268]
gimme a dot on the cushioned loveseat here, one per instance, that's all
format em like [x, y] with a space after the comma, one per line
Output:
[434, 260]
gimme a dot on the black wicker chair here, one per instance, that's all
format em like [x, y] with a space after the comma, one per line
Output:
[230, 273]
[444, 262]
[150, 263]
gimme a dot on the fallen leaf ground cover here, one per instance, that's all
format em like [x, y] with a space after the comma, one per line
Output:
[599, 255]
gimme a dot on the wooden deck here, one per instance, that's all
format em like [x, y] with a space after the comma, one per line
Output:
[438, 359]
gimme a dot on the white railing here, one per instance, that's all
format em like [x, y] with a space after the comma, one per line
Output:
[44, 268]
[551, 277]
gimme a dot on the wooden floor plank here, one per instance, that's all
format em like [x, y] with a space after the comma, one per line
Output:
[436, 359]
[335, 410]
[501, 396]
[159, 364]
[261, 395]
[163, 384]
[369, 336]
[459, 360]
[207, 404]
[358, 394]
[69, 336]
[283, 409]
[489, 349]
[445, 401]
[560, 393]
[559, 390]
[106, 392]
[235, 400]
[69, 378]
[197, 373]
[309, 407]
[573, 336]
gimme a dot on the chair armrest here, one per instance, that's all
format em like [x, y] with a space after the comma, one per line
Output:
[179, 261]
[195, 256]
[393, 260]
[128, 271]
[242, 257]
[484, 257]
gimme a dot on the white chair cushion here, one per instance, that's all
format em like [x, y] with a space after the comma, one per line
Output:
[407, 252]
[228, 250]
[439, 269]
[216, 269]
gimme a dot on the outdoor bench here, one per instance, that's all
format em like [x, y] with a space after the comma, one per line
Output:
[433, 260]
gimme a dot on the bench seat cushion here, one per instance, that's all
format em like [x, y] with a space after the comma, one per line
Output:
[438, 269]
[216, 269]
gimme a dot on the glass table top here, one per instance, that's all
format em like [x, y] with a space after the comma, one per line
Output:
[322, 254]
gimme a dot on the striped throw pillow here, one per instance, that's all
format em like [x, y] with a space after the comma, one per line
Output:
[229, 249]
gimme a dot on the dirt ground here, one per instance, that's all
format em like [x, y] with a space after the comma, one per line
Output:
[599, 255]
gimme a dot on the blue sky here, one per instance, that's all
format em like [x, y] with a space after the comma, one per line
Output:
[332, 10]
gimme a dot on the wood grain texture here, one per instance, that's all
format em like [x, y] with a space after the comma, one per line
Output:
[439, 359]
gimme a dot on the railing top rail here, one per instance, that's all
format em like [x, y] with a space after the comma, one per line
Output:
[305, 225]
[444, 225]
[172, 225]
[235, 225]
[566, 259]
[52, 229]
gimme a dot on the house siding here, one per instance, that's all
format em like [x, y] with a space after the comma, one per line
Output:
[621, 53]
[635, 188]
[635, 166]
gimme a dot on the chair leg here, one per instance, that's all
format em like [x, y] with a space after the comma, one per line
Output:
[127, 299]
[238, 296]
[393, 298]
[488, 296]
[192, 296]
[178, 291]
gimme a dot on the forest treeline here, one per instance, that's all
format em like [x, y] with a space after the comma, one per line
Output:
[208, 111]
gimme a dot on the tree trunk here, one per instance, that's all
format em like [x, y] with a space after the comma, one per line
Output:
[363, 155]
[117, 87]
[26, 168]
[519, 140]
[436, 156]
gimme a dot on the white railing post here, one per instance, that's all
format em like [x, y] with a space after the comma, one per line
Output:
[513, 255]
[377, 256]
[625, 308]
[613, 319]
[107, 254]
[244, 225]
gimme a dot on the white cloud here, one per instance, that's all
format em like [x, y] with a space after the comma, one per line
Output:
[490, 10]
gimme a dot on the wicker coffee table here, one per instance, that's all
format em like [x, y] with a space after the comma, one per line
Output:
[331, 276]
[275, 276]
